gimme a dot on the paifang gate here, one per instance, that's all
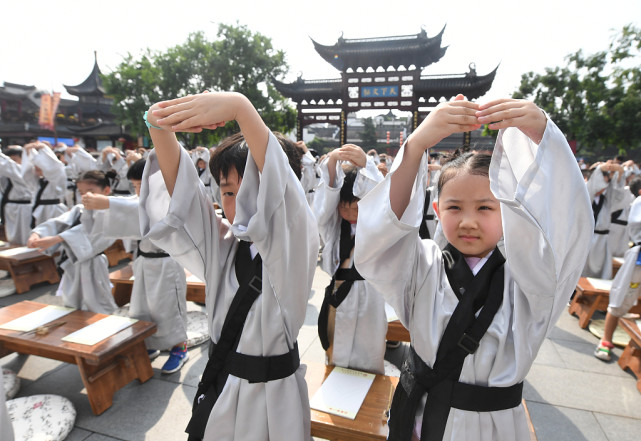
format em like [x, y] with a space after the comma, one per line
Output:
[380, 73]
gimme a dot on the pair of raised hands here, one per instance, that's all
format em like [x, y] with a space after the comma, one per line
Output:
[460, 115]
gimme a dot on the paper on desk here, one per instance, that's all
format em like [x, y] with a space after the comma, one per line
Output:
[194, 279]
[618, 260]
[390, 313]
[603, 284]
[100, 330]
[31, 321]
[16, 251]
[343, 392]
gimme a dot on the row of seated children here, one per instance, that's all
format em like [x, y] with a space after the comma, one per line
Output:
[269, 226]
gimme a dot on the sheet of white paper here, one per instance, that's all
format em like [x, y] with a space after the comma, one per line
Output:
[343, 392]
[618, 260]
[603, 284]
[31, 321]
[100, 330]
[390, 313]
[132, 278]
[193, 279]
[16, 251]
[639, 324]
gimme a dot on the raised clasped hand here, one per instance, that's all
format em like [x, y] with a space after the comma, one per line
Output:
[193, 113]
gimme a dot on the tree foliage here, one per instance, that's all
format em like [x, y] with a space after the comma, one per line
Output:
[595, 99]
[237, 60]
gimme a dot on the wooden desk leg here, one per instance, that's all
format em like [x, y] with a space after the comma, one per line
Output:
[631, 359]
[584, 307]
[27, 275]
[121, 293]
[103, 380]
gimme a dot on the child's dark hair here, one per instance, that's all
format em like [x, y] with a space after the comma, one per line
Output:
[232, 153]
[13, 150]
[473, 163]
[136, 169]
[635, 186]
[347, 190]
[97, 177]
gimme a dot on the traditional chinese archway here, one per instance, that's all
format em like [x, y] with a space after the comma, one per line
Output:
[379, 73]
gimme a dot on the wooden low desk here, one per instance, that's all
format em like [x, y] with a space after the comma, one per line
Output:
[116, 252]
[104, 367]
[587, 299]
[123, 284]
[397, 332]
[631, 357]
[30, 268]
[369, 423]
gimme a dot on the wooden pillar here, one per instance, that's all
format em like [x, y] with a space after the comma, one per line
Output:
[467, 138]
[299, 125]
[414, 119]
[343, 134]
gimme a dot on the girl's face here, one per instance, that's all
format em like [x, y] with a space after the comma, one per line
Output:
[85, 187]
[470, 215]
[229, 186]
[348, 211]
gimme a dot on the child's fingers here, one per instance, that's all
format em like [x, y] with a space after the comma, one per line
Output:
[168, 103]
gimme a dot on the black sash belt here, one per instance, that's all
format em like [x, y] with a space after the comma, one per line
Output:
[152, 255]
[257, 369]
[123, 192]
[335, 298]
[461, 337]
[619, 222]
[601, 231]
[12, 201]
[423, 231]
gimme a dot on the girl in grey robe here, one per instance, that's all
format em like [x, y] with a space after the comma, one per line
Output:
[85, 281]
[544, 257]
[17, 196]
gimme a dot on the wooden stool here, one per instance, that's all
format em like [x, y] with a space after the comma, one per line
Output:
[588, 299]
[631, 357]
[28, 267]
[116, 252]
[397, 332]
[122, 281]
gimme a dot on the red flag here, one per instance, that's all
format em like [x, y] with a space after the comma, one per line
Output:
[45, 111]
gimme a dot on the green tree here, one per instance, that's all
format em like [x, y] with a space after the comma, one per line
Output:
[595, 99]
[237, 60]
[368, 137]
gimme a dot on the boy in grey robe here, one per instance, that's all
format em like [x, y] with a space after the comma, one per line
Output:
[264, 205]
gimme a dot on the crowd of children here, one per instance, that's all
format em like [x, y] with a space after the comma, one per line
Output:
[464, 248]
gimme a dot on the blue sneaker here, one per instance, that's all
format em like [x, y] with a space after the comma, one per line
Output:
[177, 357]
[153, 353]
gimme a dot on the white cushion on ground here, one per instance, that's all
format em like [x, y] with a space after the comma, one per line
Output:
[391, 370]
[41, 417]
[11, 383]
[7, 287]
[197, 329]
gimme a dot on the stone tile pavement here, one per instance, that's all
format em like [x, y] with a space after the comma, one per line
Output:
[570, 394]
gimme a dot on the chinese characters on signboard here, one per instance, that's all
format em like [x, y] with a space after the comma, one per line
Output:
[379, 92]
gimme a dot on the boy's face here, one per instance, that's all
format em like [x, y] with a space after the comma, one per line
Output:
[136, 183]
[16, 158]
[470, 215]
[229, 186]
[348, 211]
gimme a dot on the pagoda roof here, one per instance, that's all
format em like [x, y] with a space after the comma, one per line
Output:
[92, 86]
[383, 52]
[306, 90]
[447, 86]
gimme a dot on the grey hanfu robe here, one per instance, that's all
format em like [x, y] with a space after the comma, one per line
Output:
[6, 428]
[53, 172]
[271, 212]
[160, 286]
[85, 281]
[17, 215]
[544, 259]
[626, 285]
[599, 261]
[359, 323]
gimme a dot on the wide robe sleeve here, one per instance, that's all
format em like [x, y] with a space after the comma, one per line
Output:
[273, 213]
[329, 221]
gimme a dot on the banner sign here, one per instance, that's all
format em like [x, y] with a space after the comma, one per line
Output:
[379, 92]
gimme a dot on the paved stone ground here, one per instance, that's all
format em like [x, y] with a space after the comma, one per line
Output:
[570, 394]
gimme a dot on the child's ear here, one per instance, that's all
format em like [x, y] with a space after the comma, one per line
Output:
[435, 207]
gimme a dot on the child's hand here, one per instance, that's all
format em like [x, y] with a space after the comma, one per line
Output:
[32, 239]
[92, 201]
[194, 113]
[353, 154]
[522, 114]
[42, 243]
[447, 118]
